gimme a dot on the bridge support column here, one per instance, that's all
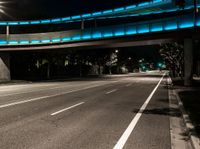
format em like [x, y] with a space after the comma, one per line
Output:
[4, 67]
[188, 62]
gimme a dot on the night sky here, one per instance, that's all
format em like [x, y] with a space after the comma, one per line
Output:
[41, 9]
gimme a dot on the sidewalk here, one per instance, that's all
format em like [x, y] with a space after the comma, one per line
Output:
[12, 82]
[190, 99]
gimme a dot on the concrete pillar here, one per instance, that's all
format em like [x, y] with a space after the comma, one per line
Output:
[188, 62]
[4, 67]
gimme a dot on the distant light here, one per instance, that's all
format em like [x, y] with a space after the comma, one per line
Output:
[116, 51]
[160, 65]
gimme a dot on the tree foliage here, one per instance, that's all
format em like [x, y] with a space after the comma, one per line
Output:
[173, 55]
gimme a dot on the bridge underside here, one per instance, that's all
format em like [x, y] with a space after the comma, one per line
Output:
[128, 41]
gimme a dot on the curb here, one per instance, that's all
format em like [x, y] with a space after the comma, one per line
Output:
[195, 141]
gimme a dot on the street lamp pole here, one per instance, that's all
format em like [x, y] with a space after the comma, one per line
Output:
[7, 32]
[195, 12]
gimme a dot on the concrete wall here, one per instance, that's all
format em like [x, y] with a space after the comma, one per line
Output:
[4, 67]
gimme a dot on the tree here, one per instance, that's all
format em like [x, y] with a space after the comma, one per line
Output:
[112, 61]
[173, 55]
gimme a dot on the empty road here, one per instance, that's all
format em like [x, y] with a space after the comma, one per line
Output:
[128, 111]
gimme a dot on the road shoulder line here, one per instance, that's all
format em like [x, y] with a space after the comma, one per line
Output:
[123, 139]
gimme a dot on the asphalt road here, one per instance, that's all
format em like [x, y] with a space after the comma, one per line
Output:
[128, 111]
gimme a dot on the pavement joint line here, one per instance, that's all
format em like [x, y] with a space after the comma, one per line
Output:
[55, 87]
[114, 90]
[129, 84]
[31, 91]
[63, 110]
[123, 139]
[45, 97]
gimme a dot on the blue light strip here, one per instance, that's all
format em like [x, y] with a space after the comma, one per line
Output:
[96, 35]
[86, 15]
[90, 15]
[35, 41]
[45, 41]
[35, 22]
[66, 39]
[56, 20]
[144, 4]
[24, 42]
[86, 36]
[3, 42]
[45, 21]
[15, 42]
[56, 40]
[119, 9]
[23, 23]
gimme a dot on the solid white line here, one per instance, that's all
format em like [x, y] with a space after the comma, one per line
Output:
[44, 97]
[21, 102]
[120, 144]
[55, 113]
[111, 91]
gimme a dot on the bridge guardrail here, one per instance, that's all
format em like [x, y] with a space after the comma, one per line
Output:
[167, 24]
[78, 18]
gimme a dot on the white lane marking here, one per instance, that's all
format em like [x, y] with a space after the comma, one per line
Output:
[21, 102]
[111, 91]
[55, 113]
[44, 97]
[121, 142]
[129, 84]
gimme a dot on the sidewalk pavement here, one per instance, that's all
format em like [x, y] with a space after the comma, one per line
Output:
[189, 103]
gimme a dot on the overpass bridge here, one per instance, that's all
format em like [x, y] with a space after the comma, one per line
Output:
[139, 32]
